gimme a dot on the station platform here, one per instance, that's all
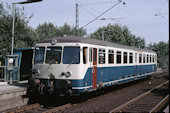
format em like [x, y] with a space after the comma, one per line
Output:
[7, 88]
[12, 96]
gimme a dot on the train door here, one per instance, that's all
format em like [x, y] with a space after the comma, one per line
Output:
[94, 69]
[91, 64]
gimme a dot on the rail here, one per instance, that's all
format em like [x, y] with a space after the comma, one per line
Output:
[135, 100]
[58, 108]
[24, 108]
[37, 106]
[160, 105]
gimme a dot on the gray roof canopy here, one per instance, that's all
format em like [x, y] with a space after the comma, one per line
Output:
[75, 39]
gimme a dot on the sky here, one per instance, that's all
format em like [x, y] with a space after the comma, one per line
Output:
[148, 19]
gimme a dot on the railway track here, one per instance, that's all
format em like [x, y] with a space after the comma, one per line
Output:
[24, 108]
[38, 108]
[151, 101]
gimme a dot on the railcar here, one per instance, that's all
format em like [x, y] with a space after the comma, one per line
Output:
[74, 65]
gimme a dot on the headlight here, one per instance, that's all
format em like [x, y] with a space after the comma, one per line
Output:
[35, 72]
[68, 74]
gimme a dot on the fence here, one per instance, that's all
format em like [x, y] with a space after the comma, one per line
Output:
[9, 74]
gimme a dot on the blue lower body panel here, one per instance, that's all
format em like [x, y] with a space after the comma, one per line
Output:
[106, 76]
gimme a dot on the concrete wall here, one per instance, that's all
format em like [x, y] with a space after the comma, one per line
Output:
[12, 96]
[12, 100]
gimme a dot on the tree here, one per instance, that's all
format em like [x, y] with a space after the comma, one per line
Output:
[68, 30]
[140, 42]
[46, 30]
[23, 33]
[162, 50]
[119, 34]
[49, 30]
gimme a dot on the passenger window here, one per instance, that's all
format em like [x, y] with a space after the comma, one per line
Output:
[85, 55]
[140, 58]
[101, 56]
[153, 59]
[90, 55]
[147, 58]
[111, 56]
[143, 58]
[118, 59]
[135, 57]
[131, 58]
[125, 57]
[150, 58]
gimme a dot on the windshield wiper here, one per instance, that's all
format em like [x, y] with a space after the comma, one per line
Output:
[74, 59]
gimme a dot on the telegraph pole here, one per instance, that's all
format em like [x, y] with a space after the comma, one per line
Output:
[77, 20]
[13, 22]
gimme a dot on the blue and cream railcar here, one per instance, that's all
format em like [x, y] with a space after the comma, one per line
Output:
[74, 65]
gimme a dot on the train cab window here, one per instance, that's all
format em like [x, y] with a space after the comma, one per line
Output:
[153, 59]
[111, 56]
[118, 58]
[143, 58]
[85, 55]
[90, 55]
[71, 55]
[39, 55]
[150, 58]
[147, 59]
[140, 58]
[130, 57]
[53, 55]
[125, 57]
[101, 56]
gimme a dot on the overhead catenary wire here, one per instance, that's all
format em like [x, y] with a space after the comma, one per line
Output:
[145, 23]
[134, 27]
[86, 6]
[153, 30]
[88, 10]
[101, 14]
[153, 6]
[157, 10]
[82, 4]
[99, 3]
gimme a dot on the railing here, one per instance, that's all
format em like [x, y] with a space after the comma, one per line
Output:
[9, 74]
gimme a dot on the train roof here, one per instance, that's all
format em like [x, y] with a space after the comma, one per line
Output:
[75, 39]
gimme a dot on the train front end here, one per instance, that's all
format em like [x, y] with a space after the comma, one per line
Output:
[56, 68]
